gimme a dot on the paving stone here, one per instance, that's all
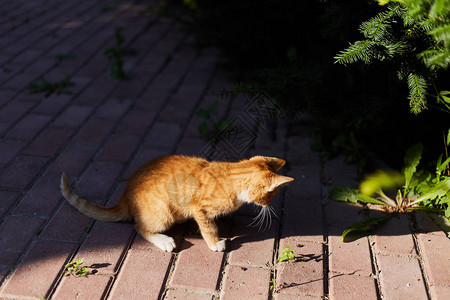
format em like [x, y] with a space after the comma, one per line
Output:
[73, 116]
[105, 245]
[394, 237]
[91, 287]
[52, 105]
[400, 278]
[302, 220]
[16, 233]
[118, 147]
[245, 283]
[73, 160]
[251, 247]
[439, 292]
[163, 141]
[142, 275]
[136, 122]
[300, 153]
[12, 111]
[66, 217]
[22, 171]
[98, 179]
[113, 108]
[176, 294]
[28, 127]
[435, 251]
[304, 276]
[351, 257]
[190, 146]
[36, 273]
[8, 149]
[6, 96]
[337, 173]
[3, 274]
[352, 287]
[340, 212]
[49, 141]
[424, 224]
[306, 184]
[196, 258]
[8, 199]
[43, 197]
[94, 131]
[178, 109]
[278, 296]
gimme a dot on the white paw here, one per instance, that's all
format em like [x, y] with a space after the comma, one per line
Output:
[220, 246]
[163, 242]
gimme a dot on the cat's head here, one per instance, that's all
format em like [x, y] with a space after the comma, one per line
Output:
[265, 182]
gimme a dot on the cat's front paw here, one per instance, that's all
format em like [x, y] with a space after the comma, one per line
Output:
[219, 247]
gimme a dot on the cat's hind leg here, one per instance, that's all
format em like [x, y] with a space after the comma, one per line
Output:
[160, 240]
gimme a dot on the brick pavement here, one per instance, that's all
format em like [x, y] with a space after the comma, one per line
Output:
[101, 132]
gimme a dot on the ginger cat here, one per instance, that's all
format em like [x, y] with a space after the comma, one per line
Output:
[175, 188]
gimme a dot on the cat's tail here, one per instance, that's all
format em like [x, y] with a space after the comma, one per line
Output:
[115, 213]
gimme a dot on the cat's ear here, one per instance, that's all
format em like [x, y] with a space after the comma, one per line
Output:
[273, 163]
[279, 180]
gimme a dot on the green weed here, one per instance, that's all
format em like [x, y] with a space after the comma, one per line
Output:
[287, 254]
[64, 56]
[115, 55]
[44, 86]
[273, 284]
[74, 268]
[211, 127]
[419, 189]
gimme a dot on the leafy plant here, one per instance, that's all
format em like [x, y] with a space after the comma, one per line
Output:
[44, 86]
[414, 35]
[115, 55]
[64, 56]
[287, 254]
[210, 127]
[273, 284]
[419, 189]
[74, 268]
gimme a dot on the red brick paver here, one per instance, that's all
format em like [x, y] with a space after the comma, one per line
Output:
[101, 129]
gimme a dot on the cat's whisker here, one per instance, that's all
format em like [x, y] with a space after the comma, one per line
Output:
[257, 220]
[273, 212]
[263, 220]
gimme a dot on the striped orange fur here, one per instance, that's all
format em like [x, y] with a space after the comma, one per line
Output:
[175, 188]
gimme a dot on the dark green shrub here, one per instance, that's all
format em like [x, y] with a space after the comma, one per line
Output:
[286, 50]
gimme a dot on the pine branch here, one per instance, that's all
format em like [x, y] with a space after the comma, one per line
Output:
[358, 51]
[417, 93]
[437, 57]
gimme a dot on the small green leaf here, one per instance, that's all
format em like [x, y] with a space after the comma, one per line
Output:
[443, 166]
[222, 125]
[346, 194]
[438, 190]
[447, 212]
[291, 254]
[201, 113]
[412, 159]
[213, 106]
[203, 129]
[448, 138]
[79, 262]
[381, 180]
[364, 225]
